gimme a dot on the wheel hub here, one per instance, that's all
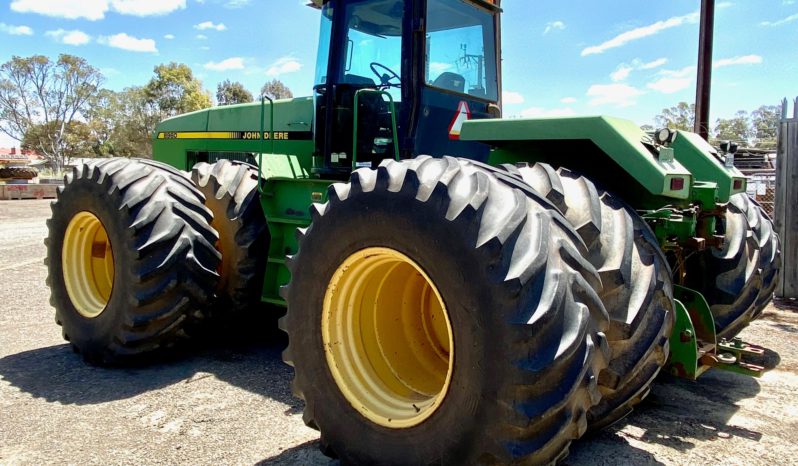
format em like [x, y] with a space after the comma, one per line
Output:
[387, 337]
[88, 264]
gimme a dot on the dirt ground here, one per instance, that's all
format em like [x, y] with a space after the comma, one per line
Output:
[230, 402]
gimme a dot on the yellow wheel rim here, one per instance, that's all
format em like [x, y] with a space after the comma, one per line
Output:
[88, 264]
[387, 338]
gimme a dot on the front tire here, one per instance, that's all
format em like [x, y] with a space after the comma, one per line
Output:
[130, 256]
[437, 315]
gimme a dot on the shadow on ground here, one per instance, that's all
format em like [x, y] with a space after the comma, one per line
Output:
[677, 414]
[306, 454]
[244, 356]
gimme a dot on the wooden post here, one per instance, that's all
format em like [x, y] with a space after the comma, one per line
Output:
[786, 214]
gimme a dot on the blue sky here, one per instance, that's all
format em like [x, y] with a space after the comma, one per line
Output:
[619, 57]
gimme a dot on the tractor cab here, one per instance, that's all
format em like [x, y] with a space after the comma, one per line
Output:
[397, 78]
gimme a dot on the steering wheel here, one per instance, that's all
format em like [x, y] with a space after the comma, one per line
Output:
[385, 79]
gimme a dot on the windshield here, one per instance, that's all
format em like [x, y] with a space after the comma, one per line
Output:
[325, 34]
[373, 43]
[461, 49]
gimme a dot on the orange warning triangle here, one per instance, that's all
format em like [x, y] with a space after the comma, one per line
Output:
[463, 114]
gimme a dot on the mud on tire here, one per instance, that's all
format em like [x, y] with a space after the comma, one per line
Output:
[137, 264]
[526, 322]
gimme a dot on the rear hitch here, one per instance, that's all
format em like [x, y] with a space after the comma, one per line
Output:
[694, 346]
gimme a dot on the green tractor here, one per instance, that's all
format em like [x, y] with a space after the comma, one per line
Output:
[460, 288]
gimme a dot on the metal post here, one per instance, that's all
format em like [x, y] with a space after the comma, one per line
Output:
[704, 81]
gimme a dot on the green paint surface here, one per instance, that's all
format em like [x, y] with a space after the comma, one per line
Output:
[705, 164]
[588, 143]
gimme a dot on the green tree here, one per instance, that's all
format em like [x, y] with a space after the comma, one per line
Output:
[276, 90]
[40, 99]
[682, 117]
[122, 123]
[77, 140]
[737, 129]
[174, 90]
[765, 122]
[231, 93]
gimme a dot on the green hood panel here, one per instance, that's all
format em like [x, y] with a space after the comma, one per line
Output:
[621, 140]
[703, 161]
[234, 131]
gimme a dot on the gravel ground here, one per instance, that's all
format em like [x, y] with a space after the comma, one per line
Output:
[230, 402]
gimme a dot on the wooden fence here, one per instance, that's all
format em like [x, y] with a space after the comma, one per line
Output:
[786, 211]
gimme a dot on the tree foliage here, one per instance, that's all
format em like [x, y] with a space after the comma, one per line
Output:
[682, 117]
[765, 121]
[231, 93]
[122, 123]
[737, 129]
[41, 100]
[757, 129]
[174, 90]
[276, 90]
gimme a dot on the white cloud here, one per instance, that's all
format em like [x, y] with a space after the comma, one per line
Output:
[780, 22]
[147, 7]
[69, 37]
[232, 4]
[169, 37]
[512, 98]
[641, 32]
[623, 70]
[210, 25]
[682, 73]
[741, 60]
[672, 81]
[284, 65]
[653, 64]
[16, 30]
[619, 95]
[201, 37]
[554, 26]
[436, 67]
[233, 63]
[94, 10]
[69, 9]
[621, 73]
[126, 42]
[536, 112]
[670, 85]
[568, 100]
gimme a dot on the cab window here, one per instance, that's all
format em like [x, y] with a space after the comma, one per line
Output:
[461, 49]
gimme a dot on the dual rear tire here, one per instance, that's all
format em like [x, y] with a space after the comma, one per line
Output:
[131, 259]
[141, 258]
[738, 279]
[456, 323]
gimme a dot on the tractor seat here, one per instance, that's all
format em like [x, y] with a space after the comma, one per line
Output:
[450, 81]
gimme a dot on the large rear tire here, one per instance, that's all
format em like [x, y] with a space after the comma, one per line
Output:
[437, 314]
[769, 251]
[637, 287]
[738, 279]
[131, 258]
[231, 193]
